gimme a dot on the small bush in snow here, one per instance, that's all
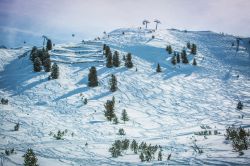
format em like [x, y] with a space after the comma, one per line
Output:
[240, 105]
[194, 62]
[85, 101]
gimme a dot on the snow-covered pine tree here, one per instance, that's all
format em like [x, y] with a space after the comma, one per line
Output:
[49, 45]
[124, 116]
[142, 157]
[116, 59]
[128, 61]
[113, 83]
[92, 77]
[30, 158]
[107, 50]
[55, 71]
[158, 68]
[37, 65]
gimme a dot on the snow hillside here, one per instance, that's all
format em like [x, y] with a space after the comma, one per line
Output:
[165, 108]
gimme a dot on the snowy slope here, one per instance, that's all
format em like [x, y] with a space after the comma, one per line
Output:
[164, 108]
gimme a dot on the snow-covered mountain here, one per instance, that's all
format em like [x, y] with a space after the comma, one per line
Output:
[166, 108]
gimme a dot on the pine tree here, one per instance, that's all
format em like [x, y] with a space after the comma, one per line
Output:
[115, 120]
[184, 57]
[134, 146]
[128, 61]
[30, 158]
[125, 144]
[160, 156]
[158, 68]
[169, 49]
[116, 60]
[121, 132]
[240, 105]
[178, 58]
[194, 62]
[16, 127]
[173, 60]
[92, 77]
[104, 48]
[55, 71]
[109, 110]
[193, 49]
[124, 116]
[109, 60]
[107, 50]
[142, 157]
[33, 53]
[113, 83]
[37, 65]
[188, 45]
[47, 65]
[49, 45]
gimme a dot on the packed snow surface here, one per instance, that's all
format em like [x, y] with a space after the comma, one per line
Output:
[164, 108]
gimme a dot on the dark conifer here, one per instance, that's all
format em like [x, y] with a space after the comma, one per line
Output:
[128, 62]
[37, 65]
[158, 68]
[116, 59]
[30, 158]
[92, 77]
[124, 116]
[49, 45]
[55, 71]
[113, 83]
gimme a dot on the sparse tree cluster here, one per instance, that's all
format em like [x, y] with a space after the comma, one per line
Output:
[239, 137]
[40, 59]
[146, 152]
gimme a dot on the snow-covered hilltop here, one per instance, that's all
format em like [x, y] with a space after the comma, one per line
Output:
[184, 108]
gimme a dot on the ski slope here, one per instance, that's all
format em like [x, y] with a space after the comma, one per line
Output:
[164, 108]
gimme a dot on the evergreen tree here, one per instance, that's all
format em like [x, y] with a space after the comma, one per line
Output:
[194, 62]
[109, 110]
[107, 51]
[16, 128]
[55, 71]
[184, 57]
[30, 158]
[121, 132]
[37, 65]
[142, 157]
[45, 55]
[125, 144]
[188, 45]
[124, 116]
[49, 45]
[173, 60]
[116, 60]
[160, 156]
[193, 49]
[109, 60]
[104, 48]
[116, 148]
[169, 49]
[113, 83]
[33, 53]
[115, 120]
[128, 61]
[134, 146]
[178, 58]
[158, 68]
[47, 65]
[240, 105]
[92, 77]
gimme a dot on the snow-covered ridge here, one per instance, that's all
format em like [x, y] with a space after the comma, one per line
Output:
[165, 108]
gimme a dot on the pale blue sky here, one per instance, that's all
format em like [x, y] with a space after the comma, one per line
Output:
[89, 18]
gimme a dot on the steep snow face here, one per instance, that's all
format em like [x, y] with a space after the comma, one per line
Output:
[164, 108]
